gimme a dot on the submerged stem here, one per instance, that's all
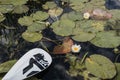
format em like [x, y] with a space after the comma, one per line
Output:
[84, 57]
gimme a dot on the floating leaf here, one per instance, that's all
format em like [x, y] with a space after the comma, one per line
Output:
[115, 14]
[49, 5]
[82, 36]
[99, 14]
[2, 17]
[100, 66]
[77, 5]
[91, 25]
[5, 67]
[63, 27]
[39, 15]
[118, 71]
[65, 47]
[31, 36]
[13, 2]
[115, 24]
[55, 12]
[75, 16]
[36, 27]
[72, 16]
[106, 39]
[25, 21]
[20, 9]
[6, 8]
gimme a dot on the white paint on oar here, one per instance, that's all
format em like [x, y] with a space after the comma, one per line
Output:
[33, 62]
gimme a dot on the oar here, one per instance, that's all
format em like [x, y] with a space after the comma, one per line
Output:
[33, 62]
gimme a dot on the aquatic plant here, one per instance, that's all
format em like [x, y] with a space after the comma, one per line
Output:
[71, 22]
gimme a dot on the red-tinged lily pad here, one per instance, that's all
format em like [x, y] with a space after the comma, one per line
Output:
[65, 47]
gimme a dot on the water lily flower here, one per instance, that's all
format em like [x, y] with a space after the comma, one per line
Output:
[76, 48]
[86, 15]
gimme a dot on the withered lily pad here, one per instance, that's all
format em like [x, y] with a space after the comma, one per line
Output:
[106, 39]
[100, 66]
[32, 36]
[20, 9]
[5, 67]
[39, 15]
[55, 12]
[6, 8]
[25, 21]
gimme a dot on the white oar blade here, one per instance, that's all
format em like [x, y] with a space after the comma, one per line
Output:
[33, 62]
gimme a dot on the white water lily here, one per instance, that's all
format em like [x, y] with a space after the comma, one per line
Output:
[76, 48]
[86, 15]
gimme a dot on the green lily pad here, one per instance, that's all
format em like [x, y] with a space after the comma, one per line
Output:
[13, 2]
[6, 8]
[74, 16]
[118, 71]
[39, 15]
[31, 36]
[36, 27]
[77, 5]
[63, 27]
[106, 39]
[2, 17]
[25, 21]
[91, 25]
[20, 9]
[115, 14]
[82, 36]
[6, 66]
[49, 5]
[100, 66]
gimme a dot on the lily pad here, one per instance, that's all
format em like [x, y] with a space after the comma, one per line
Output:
[82, 36]
[100, 66]
[6, 66]
[55, 12]
[4, 8]
[49, 5]
[36, 27]
[13, 2]
[91, 25]
[25, 21]
[115, 14]
[20, 9]
[63, 27]
[2, 17]
[118, 71]
[75, 16]
[32, 36]
[39, 15]
[106, 39]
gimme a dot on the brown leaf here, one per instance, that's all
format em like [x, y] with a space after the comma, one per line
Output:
[99, 14]
[65, 47]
